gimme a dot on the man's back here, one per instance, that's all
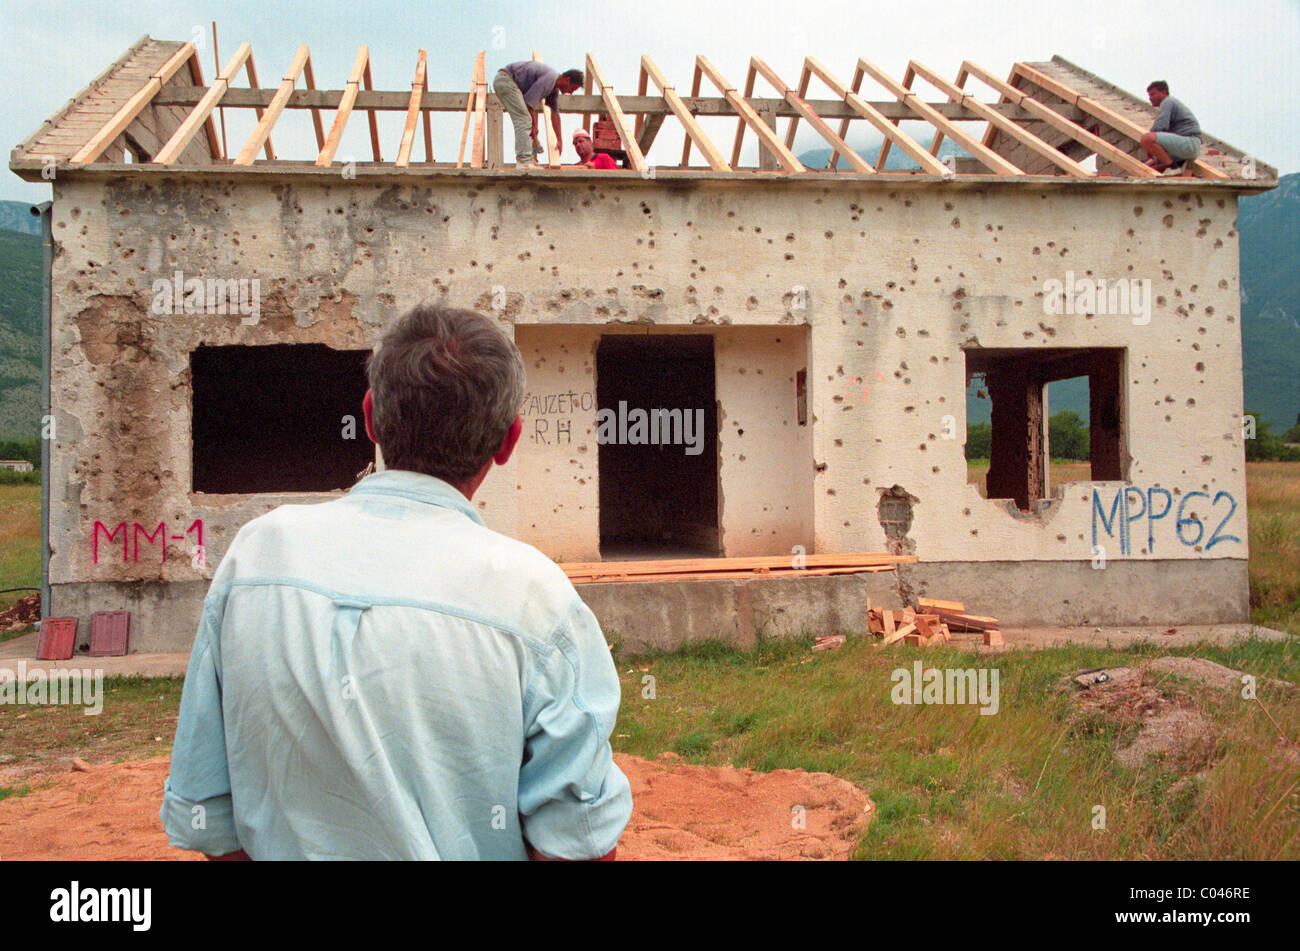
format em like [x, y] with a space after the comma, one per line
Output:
[396, 681]
[1175, 117]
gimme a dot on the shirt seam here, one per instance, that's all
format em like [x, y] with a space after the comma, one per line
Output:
[273, 581]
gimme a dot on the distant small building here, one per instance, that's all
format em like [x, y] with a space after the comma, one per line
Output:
[17, 465]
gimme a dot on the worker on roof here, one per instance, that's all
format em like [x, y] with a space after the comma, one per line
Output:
[522, 88]
[588, 157]
[1175, 136]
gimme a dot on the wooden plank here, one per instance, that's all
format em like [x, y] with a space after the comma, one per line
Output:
[412, 112]
[428, 123]
[252, 84]
[740, 122]
[216, 147]
[187, 130]
[479, 149]
[694, 133]
[904, 94]
[1095, 109]
[898, 634]
[928, 604]
[842, 560]
[624, 577]
[750, 117]
[923, 158]
[469, 111]
[996, 120]
[262, 132]
[310, 79]
[818, 124]
[373, 119]
[1060, 123]
[646, 137]
[616, 114]
[552, 154]
[132, 107]
[326, 156]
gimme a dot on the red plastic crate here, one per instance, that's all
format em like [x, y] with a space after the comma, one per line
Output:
[58, 638]
[109, 633]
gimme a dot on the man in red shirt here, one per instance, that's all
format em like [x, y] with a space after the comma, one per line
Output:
[588, 157]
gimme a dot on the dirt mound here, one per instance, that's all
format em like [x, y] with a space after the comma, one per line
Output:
[24, 613]
[681, 812]
[1169, 728]
[717, 812]
[1208, 672]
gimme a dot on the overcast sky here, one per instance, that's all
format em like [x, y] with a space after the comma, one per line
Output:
[1236, 65]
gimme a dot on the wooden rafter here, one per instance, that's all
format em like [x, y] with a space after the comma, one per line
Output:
[1057, 121]
[740, 122]
[694, 133]
[479, 154]
[805, 77]
[995, 119]
[695, 91]
[133, 107]
[374, 121]
[869, 112]
[817, 122]
[765, 133]
[418, 85]
[478, 76]
[552, 153]
[262, 133]
[216, 146]
[1119, 123]
[350, 90]
[310, 79]
[252, 84]
[616, 114]
[194, 121]
[904, 94]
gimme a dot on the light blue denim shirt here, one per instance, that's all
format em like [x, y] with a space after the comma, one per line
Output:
[382, 676]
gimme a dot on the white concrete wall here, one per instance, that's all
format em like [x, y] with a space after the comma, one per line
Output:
[886, 283]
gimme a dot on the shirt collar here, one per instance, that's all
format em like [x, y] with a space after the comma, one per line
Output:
[418, 487]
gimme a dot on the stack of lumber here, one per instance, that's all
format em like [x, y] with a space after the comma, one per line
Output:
[932, 622]
[707, 569]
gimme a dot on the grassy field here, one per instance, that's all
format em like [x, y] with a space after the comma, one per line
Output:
[947, 781]
[20, 540]
[950, 783]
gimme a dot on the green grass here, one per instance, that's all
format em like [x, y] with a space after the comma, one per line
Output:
[20, 540]
[951, 783]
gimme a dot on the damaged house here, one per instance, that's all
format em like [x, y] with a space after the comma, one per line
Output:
[798, 342]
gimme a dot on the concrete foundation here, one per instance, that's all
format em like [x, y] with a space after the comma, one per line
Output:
[645, 616]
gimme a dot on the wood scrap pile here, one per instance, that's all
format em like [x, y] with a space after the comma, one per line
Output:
[707, 569]
[933, 622]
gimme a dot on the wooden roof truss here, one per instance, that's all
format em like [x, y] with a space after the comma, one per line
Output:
[1048, 118]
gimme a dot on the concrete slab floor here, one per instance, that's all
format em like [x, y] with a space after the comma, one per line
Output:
[1034, 638]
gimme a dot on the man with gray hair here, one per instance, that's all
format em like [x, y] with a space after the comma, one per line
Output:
[382, 676]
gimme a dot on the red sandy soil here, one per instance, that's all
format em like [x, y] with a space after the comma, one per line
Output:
[680, 812]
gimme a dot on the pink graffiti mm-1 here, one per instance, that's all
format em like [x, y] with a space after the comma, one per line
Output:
[131, 541]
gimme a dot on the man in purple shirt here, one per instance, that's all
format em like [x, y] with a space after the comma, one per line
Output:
[522, 88]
